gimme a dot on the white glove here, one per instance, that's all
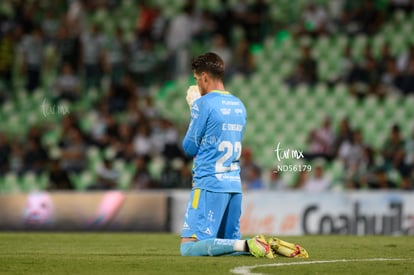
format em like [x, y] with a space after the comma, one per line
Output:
[193, 93]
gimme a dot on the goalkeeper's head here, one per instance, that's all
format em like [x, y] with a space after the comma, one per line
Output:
[208, 71]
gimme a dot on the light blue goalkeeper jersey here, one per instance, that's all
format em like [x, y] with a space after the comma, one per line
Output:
[214, 139]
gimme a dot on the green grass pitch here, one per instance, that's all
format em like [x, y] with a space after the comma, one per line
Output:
[140, 253]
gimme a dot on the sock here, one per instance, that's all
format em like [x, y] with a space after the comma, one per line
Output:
[240, 246]
[209, 247]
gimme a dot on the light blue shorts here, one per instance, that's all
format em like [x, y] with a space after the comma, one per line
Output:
[212, 215]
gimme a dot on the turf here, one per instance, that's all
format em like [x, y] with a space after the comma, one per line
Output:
[139, 253]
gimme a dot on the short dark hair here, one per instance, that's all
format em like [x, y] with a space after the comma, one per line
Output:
[209, 63]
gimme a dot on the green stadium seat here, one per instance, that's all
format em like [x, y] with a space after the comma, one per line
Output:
[29, 182]
[11, 183]
[83, 180]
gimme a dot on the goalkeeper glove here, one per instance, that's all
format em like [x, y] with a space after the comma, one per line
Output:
[193, 93]
[287, 249]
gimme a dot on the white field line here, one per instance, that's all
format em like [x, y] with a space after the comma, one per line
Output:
[247, 270]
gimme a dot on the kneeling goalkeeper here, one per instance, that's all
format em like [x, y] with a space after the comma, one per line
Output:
[214, 138]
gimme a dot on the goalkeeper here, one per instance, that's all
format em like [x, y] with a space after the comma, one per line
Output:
[214, 138]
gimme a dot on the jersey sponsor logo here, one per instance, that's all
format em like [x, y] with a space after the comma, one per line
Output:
[238, 111]
[225, 111]
[230, 102]
[232, 127]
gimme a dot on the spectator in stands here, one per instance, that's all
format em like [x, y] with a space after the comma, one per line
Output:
[50, 25]
[309, 66]
[124, 141]
[361, 17]
[314, 20]
[404, 58]
[115, 50]
[58, 178]
[301, 179]
[159, 26]
[321, 141]
[76, 17]
[35, 157]
[243, 59]
[393, 150]
[142, 141]
[143, 63]
[381, 180]
[67, 85]
[297, 76]
[7, 54]
[106, 176]
[368, 17]
[126, 152]
[247, 164]
[171, 174]
[68, 48]
[186, 176]
[257, 21]
[400, 5]
[318, 182]
[16, 159]
[171, 149]
[347, 66]
[405, 80]
[409, 151]
[352, 154]
[33, 50]
[5, 151]
[386, 56]
[120, 94]
[276, 181]
[178, 38]
[142, 178]
[224, 20]
[74, 152]
[389, 78]
[344, 134]
[221, 47]
[369, 76]
[92, 49]
[145, 19]
[254, 179]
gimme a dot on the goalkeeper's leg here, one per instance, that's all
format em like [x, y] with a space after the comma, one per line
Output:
[209, 247]
[256, 246]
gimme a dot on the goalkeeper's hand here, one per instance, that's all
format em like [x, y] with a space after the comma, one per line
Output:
[193, 93]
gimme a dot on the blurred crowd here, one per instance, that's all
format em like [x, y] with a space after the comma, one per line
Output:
[159, 49]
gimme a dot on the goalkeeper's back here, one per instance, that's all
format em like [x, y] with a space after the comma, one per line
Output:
[214, 138]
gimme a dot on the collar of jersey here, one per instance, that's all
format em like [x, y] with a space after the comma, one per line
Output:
[220, 92]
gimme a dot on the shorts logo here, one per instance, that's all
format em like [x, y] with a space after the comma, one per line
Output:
[210, 216]
[185, 226]
[208, 232]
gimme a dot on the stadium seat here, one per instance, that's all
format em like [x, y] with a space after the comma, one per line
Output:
[11, 183]
[82, 180]
[29, 182]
